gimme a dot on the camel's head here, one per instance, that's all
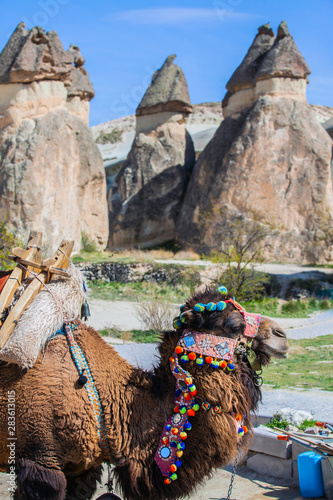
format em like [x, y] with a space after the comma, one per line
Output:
[230, 322]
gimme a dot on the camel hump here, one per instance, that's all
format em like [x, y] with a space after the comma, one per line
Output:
[37, 297]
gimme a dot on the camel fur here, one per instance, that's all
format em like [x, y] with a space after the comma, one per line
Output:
[55, 424]
[44, 317]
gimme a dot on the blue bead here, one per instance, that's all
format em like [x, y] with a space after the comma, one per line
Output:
[168, 427]
[179, 463]
[181, 446]
[188, 426]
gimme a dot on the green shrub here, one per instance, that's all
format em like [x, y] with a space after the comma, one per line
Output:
[8, 240]
[110, 137]
[87, 244]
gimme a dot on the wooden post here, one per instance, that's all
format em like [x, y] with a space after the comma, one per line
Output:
[62, 258]
[32, 252]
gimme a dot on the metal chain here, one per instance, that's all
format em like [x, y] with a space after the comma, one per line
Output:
[233, 472]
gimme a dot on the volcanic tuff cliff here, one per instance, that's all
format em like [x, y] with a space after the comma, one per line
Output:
[145, 199]
[52, 176]
[270, 156]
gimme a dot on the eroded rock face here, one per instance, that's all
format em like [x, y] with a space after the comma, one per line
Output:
[145, 200]
[52, 179]
[52, 175]
[271, 160]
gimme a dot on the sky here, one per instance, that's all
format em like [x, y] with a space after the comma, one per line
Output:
[125, 42]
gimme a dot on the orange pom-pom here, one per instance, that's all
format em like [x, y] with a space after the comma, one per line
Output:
[172, 360]
[209, 359]
[173, 468]
[180, 453]
[175, 431]
[179, 349]
[183, 435]
[191, 412]
[187, 396]
[189, 380]
[239, 416]
[245, 429]
[192, 356]
[223, 363]
[167, 480]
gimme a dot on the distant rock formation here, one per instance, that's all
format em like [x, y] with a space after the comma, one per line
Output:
[145, 199]
[270, 156]
[52, 176]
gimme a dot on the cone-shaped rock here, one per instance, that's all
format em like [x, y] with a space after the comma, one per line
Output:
[244, 75]
[284, 59]
[34, 55]
[269, 159]
[145, 199]
[168, 91]
[52, 175]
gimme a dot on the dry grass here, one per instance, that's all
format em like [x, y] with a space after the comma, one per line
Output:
[134, 255]
[156, 315]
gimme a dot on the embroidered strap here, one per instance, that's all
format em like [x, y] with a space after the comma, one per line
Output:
[83, 368]
[252, 320]
[171, 445]
[208, 345]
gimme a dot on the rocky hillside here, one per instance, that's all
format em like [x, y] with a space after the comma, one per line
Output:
[201, 124]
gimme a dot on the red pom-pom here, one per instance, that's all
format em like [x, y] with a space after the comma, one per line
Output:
[172, 360]
[245, 429]
[195, 392]
[209, 359]
[179, 349]
[191, 412]
[173, 468]
[192, 356]
[239, 416]
[165, 440]
[187, 396]
[167, 480]
[175, 431]
[223, 364]
[176, 409]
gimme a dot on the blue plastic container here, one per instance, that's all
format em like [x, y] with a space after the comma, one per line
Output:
[309, 474]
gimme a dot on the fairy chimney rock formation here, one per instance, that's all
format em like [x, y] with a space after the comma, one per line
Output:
[51, 170]
[145, 199]
[166, 99]
[272, 66]
[270, 158]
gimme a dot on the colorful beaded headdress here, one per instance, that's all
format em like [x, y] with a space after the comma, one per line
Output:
[199, 347]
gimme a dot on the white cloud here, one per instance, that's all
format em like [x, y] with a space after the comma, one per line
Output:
[168, 15]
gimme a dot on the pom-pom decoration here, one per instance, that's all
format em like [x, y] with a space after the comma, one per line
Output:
[217, 409]
[177, 323]
[183, 318]
[222, 289]
[192, 356]
[199, 308]
[167, 480]
[230, 367]
[209, 359]
[223, 363]
[220, 306]
[184, 358]
[183, 435]
[182, 307]
[191, 412]
[179, 349]
[180, 453]
[173, 468]
[188, 426]
[199, 361]
[211, 307]
[173, 477]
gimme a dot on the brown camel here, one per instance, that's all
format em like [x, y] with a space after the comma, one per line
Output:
[57, 451]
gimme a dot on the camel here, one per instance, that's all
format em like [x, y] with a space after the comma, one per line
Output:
[57, 451]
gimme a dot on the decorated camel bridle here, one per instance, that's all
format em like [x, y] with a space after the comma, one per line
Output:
[199, 347]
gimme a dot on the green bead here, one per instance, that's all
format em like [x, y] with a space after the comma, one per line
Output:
[173, 477]
[196, 407]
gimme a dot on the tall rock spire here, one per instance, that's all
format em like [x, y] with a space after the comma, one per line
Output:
[283, 59]
[244, 76]
[168, 91]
